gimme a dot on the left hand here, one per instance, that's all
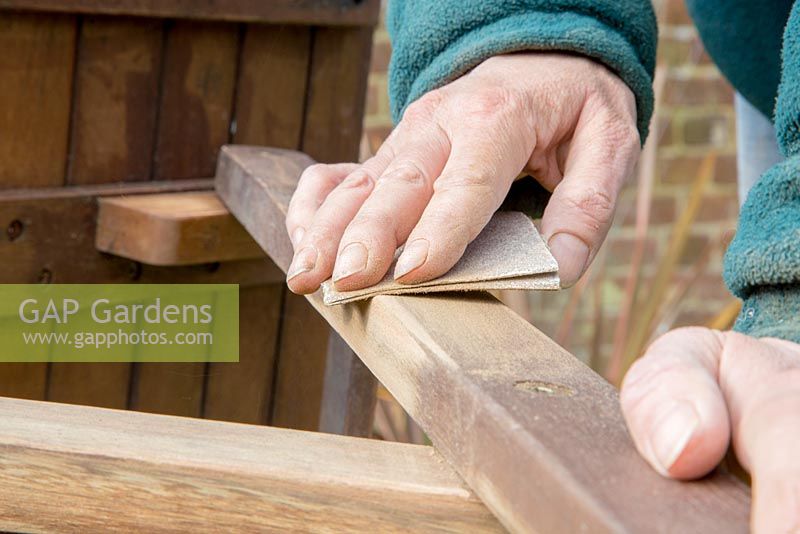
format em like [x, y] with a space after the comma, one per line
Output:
[697, 389]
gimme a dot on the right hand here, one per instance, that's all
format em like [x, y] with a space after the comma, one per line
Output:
[446, 168]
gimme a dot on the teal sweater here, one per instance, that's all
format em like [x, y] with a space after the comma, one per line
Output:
[436, 41]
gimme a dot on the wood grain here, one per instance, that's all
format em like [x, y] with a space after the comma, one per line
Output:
[197, 98]
[310, 359]
[349, 392]
[53, 240]
[535, 433]
[336, 94]
[271, 89]
[193, 121]
[242, 391]
[37, 69]
[113, 119]
[172, 229]
[116, 96]
[323, 12]
[117, 471]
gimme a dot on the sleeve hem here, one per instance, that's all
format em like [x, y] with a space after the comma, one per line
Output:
[771, 311]
[542, 31]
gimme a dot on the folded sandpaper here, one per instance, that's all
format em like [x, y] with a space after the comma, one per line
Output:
[508, 254]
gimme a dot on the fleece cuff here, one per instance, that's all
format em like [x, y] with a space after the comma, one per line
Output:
[771, 311]
[544, 31]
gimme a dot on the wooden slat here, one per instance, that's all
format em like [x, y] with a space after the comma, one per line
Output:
[272, 86]
[536, 434]
[336, 94]
[331, 133]
[300, 373]
[241, 391]
[349, 392]
[36, 67]
[116, 94]
[323, 12]
[193, 121]
[172, 229]
[113, 121]
[197, 98]
[78, 469]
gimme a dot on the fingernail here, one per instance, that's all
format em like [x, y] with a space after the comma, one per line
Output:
[297, 236]
[304, 261]
[672, 433]
[352, 259]
[413, 256]
[571, 254]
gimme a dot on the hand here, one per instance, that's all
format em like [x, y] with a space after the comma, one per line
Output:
[449, 164]
[695, 389]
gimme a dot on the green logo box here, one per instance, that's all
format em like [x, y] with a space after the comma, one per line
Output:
[119, 323]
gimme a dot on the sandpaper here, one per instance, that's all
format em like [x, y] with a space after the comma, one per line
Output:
[508, 254]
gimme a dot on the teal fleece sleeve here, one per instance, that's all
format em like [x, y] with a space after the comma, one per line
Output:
[744, 39]
[436, 41]
[762, 265]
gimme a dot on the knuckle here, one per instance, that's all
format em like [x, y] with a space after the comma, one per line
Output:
[407, 173]
[489, 102]
[359, 179]
[595, 206]
[424, 107]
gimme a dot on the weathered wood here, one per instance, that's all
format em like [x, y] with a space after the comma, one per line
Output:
[536, 434]
[113, 119]
[116, 95]
[77, 469]
[270, 95]
[322, 12]
[331, 133]
[172, 229]
[196, 99]
[50, 237]
[349, 392]
[336, 94]
[37, 72]
[242, 391]
[193, 121]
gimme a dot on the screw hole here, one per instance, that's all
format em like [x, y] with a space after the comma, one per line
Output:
[15, 229]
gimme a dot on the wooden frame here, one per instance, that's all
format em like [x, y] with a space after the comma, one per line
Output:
[328, 12]
[535, 433]
[139, 95]
[80, 469]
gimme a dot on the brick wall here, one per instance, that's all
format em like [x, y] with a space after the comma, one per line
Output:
[695, 117]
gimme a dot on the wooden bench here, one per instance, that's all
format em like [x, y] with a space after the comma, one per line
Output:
[537, 437]
[113, 115]
[121, 98]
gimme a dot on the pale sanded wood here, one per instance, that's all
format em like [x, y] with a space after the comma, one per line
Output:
[326, 12]
[536, 434]
[172, 229]
[79, 469]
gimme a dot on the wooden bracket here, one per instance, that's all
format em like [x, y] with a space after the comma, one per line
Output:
[172, 229]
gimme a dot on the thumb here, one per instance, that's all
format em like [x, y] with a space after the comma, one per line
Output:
[602, 154]
[675, 410]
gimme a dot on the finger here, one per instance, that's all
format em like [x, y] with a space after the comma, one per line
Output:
[673, 405]
[315, 184]
[313, 262]
[762, 382]
[472, 185]
[578, 216]
[393, 208]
